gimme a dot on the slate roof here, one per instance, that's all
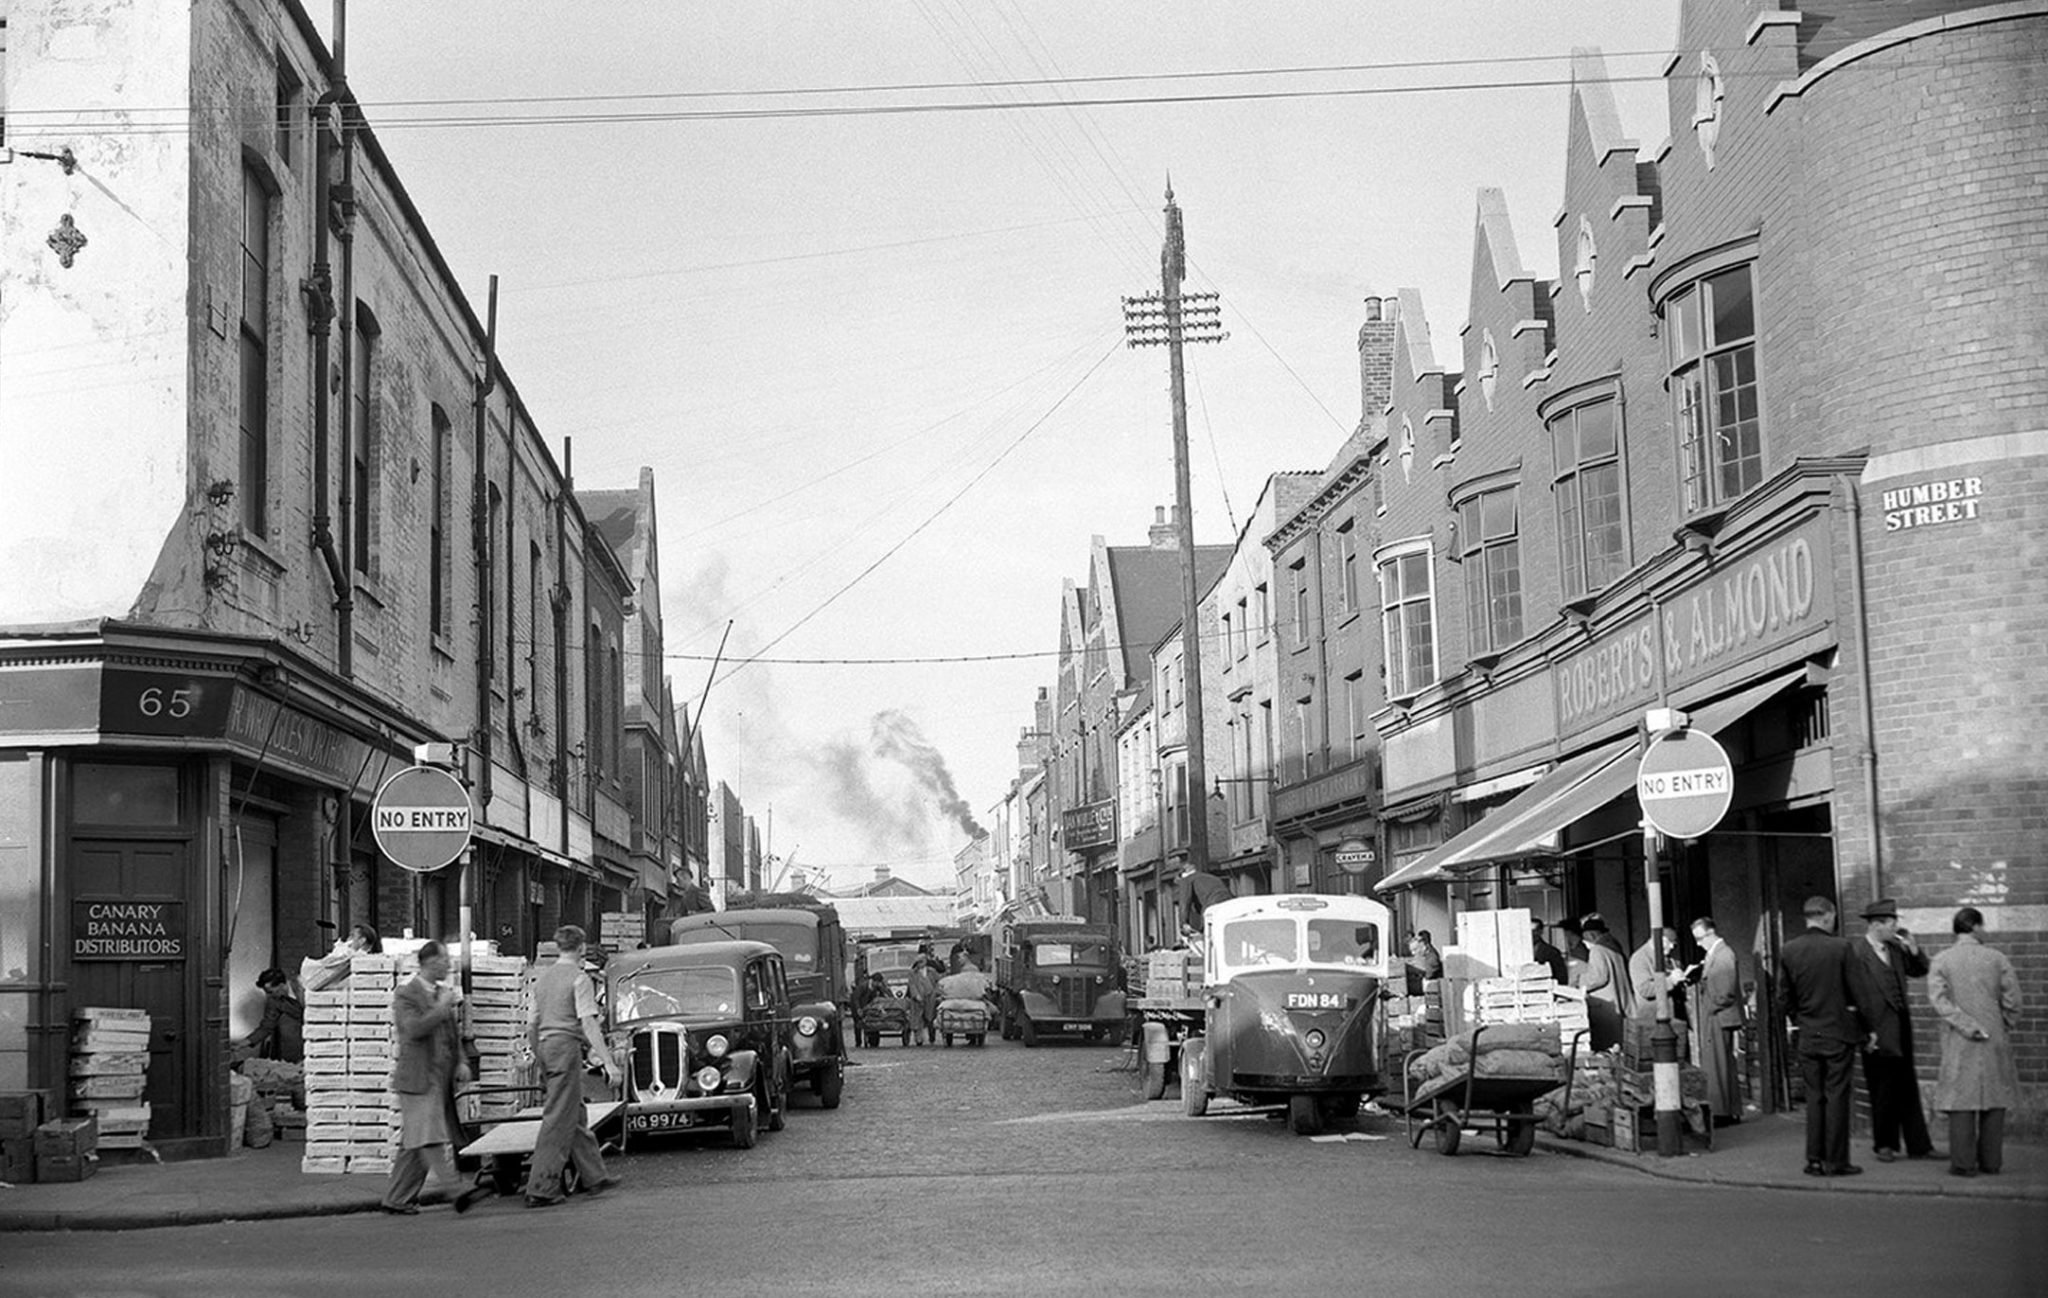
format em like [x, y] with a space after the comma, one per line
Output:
[1146, 586]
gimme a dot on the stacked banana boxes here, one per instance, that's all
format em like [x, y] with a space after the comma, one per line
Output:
[621, 930]
[351, 1119]
[497, 1025]
[1525, 995]
[109, 1072]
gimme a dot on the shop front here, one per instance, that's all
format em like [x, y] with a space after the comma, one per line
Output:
[1328, 830]
[1743, 640]
[177, 814]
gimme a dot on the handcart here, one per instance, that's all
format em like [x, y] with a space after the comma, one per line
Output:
[1447, 1104]
[887, 1016]
[502, 1145]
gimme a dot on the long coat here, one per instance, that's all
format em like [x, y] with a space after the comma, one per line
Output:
[1974, 990]
[1878, 982]
[1720, 989]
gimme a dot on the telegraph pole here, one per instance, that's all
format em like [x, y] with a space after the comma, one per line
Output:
[1172, 317]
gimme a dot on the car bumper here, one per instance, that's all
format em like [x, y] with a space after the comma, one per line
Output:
[644, 1116]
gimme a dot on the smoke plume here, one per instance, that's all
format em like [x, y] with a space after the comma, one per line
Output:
[898, 738]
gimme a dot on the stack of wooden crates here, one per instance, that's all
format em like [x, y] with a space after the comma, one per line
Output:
[621, 930]
[351, 1120]
[109, 1072]
[498, 1004]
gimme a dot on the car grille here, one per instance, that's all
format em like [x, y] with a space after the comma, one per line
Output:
[659, 1062]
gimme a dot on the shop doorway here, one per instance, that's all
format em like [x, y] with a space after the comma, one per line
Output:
[108, 871]
[249, 882]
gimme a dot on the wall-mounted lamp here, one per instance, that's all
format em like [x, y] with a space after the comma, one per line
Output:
[220, 492]
[1216, 786]
[224, 544]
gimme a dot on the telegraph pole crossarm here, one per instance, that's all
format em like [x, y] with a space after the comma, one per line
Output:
[1173, 318]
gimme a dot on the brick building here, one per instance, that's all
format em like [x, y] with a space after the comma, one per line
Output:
[273, 516]
[1770, 450]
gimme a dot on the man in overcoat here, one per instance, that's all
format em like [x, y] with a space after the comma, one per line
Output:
[1718, 1010]
[1978, 998]
[1885, 959]
[429, 1064]
[1815, 987]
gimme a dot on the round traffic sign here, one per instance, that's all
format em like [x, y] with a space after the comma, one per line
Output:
[1684, 783]
[422, 818]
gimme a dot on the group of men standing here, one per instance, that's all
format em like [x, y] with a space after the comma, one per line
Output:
[1846, 997]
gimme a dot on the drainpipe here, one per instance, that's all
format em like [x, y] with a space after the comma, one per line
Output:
[347, 314]
[320, 300]
[561, 622]
[483, 540]
[1866, 754]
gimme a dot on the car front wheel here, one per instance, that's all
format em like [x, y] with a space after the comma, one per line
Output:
[746, 1130]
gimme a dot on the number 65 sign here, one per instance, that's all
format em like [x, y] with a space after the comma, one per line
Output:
[163, 703]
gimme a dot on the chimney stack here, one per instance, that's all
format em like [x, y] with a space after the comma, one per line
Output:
[1376, 354]
[1166, 526]
[881, 874]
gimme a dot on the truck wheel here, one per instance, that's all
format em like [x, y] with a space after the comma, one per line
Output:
[777, 1106]
[1304, 1115]
[831, 1084]
[1194, 1093]
[1339, 1109]
[1153, 1085]
[746, 1127]
[1028, 1030]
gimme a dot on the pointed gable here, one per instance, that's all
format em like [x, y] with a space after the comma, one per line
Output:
[1506, 343]
[1604, 223]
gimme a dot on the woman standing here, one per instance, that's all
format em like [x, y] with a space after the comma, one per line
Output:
[1978, 998]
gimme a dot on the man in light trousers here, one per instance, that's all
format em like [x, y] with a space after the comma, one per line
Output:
[564, 1018]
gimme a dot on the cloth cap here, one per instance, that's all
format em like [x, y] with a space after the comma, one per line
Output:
[1882, 908]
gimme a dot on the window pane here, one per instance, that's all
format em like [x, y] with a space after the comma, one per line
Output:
[1684, 317]
[1596, 431]
[1469, 535]
[1421, 646]
[1414, 576]
[1604, 542]
[1504, 586]
[1564, 445]
[108, 794]
[1498, 510]
[1734, 315]
[1477, 631]
[1569, 539]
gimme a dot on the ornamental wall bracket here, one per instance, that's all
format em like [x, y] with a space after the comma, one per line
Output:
[66, 240]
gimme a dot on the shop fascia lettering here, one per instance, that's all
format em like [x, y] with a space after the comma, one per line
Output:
[1761, 601]
[129, 929]
[1924, 504]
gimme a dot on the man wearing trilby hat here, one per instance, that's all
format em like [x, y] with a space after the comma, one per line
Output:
[1885, 959]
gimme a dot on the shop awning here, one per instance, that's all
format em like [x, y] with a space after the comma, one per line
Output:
[1578, 786]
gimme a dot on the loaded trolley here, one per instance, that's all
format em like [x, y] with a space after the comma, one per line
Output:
[1493, 1087]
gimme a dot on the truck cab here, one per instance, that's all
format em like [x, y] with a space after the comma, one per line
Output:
[814, 957]
[1059, 976]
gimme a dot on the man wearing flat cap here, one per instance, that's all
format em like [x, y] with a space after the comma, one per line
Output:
[1885, 959]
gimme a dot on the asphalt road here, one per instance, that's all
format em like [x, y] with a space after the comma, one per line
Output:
[1013, 1171]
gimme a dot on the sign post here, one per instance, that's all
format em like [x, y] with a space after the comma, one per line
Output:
[1683, 783]
[423, 820]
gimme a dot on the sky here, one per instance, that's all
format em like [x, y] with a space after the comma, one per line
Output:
[874, 358]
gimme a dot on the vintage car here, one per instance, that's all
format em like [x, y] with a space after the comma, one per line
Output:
[1292, 1006]
[807, 933]
[1059, 975]
[702, 1034]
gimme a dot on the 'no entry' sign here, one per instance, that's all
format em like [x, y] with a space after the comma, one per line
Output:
[422, 818]
[1684, 783]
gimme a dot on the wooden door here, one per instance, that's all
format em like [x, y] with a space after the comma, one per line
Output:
[145, 871]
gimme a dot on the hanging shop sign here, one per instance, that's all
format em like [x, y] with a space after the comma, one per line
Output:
[1092, 824]
[118, 929]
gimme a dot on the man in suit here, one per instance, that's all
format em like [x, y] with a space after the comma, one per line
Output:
[1718, 1010]
[1885, 959]
[430, 1062]
[1815, 986]
[1642, 976]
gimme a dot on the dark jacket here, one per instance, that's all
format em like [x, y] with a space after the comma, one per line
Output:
[429, 1038]
[282, 1033]
[1549, 955]
[1817, 988]
[1880, 986]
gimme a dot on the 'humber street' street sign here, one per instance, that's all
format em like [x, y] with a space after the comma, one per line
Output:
[1684, 783]
[422, 818]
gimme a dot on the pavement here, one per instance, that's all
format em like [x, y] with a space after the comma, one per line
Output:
[1761, 1153]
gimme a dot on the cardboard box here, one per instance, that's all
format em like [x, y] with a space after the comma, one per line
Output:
[78, 1168]
[18, 1161]
[66, 1138]
[21, 1112]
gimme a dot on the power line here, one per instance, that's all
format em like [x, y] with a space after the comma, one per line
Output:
[932, 517]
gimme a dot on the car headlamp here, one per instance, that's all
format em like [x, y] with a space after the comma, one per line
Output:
[807, 1026]
[1315, 1038]
[709, 1078]
[717, 1045]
